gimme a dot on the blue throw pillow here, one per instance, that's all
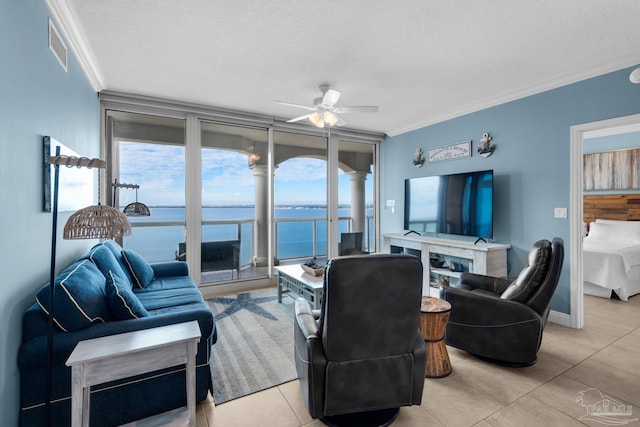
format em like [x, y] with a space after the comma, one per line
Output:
[123, 303]
[104, 259]
[80, 298]
[141, 272]
[116, 249]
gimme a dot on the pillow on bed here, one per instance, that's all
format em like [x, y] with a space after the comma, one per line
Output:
[615, 231]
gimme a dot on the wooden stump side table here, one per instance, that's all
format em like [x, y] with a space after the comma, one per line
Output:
[434, 315]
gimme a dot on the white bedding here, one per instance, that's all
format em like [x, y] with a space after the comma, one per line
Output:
[613, 265]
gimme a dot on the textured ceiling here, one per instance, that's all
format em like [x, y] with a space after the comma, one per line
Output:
[421, 61]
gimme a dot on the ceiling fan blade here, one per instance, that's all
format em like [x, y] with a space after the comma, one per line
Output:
[357, 109]
[297, 119]
[306, 107]
[330, 98]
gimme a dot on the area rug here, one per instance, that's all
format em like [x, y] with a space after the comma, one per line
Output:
[255, 349]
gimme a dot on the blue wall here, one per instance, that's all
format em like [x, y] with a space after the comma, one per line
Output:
[531, 161]
[611, 142]
[37, 98]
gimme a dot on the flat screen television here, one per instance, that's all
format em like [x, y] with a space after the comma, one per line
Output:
[458, 204]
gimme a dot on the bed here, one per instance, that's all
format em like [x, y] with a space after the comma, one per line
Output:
[611, 259]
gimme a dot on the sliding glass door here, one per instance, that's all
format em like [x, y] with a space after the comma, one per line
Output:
[356, 201]
[234, 230]
[300, 197]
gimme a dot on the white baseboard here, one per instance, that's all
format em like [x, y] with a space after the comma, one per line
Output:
[563, 319]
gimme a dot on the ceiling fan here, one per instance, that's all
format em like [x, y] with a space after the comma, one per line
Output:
[324, 112]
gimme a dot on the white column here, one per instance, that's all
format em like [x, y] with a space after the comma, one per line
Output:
[262, 220]
[357, 180]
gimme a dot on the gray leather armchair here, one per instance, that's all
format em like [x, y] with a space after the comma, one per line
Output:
[499, 319]
[362, 356]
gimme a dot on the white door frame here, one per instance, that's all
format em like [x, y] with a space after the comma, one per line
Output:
[580, 132]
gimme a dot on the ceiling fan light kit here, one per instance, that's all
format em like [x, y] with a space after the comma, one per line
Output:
[325, 113]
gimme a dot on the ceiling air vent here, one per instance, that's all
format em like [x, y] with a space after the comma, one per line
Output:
[57, 46]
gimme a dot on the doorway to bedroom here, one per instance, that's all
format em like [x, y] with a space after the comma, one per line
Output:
[605, 136]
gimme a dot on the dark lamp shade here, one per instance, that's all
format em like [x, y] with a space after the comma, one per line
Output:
[136, 209]
[97, 222]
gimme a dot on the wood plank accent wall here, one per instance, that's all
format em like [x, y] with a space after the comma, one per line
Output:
[612, 170]
[622, 207]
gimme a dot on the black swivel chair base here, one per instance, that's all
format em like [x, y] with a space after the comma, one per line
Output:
[504, 363]
[380, 418]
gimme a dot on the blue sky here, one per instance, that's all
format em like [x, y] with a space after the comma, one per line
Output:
[159, 171]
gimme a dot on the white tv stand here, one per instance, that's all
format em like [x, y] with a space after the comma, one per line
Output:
[481, 258]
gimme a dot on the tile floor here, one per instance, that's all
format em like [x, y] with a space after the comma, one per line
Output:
[605, 355]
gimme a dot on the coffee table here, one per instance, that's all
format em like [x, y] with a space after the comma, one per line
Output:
[293, 280]
[434, 315]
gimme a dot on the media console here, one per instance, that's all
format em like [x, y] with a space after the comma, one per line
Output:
[481, 258]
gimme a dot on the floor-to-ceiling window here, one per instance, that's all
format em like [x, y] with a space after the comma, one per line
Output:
[356, 185]
[234, 202]
[300, 196]
[148, 167]
[218, 185]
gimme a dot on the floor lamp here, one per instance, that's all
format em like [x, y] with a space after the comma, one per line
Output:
[93, 222]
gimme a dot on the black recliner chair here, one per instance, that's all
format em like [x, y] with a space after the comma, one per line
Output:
[499, 319]
[362, 356]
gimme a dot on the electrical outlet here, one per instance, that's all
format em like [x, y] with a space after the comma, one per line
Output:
[391, 203]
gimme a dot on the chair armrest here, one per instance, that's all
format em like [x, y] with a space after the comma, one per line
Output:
[31, 353]
[309, 357]
[170, 268]
[483, 324]
[497, 285]
[482, 308]
[306, 319]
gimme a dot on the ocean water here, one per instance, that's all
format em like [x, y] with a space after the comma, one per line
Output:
[294, 239]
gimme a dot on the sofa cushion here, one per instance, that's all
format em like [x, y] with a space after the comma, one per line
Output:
[164, 283]
[153, 300]
[141, 272]
[104, 259]
[123, 303]
[532, 276]
[116, 249]
[80, 297]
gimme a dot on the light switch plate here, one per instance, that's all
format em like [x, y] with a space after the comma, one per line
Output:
[560, 212]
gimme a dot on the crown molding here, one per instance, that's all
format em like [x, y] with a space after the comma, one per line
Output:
[532, 90]
[71, 28]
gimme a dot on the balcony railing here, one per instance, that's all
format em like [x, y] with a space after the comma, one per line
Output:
[294, 237]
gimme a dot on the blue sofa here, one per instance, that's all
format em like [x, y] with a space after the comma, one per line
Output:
[105, 292]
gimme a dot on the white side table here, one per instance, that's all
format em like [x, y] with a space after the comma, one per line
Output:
[113, 357]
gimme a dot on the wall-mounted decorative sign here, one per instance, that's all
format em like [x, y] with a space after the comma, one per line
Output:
[487, 149]
[454, 151]
[612, 170]
[418, 161]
